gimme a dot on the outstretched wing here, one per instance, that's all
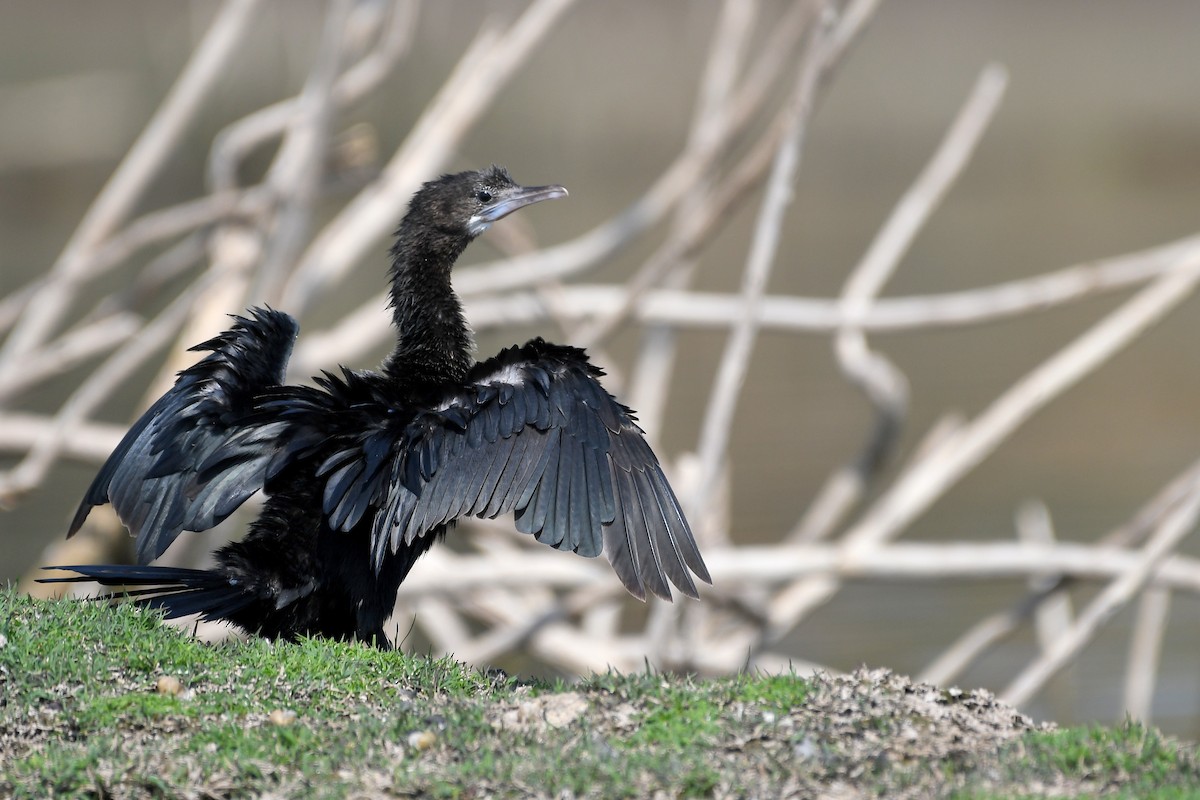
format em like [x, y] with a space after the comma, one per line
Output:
[532, 432]
[153, 477]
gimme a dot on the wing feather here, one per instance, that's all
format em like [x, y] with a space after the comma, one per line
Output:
[515, 467]
[662, 540]
[636, 524]
[618, 543]
[158, 478]
[531, 432]
[584, 532]
[681, 538]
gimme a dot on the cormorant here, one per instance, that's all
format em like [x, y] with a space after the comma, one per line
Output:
[365, 471]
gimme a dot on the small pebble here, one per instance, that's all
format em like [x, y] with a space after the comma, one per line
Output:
[422, 740]
[282, 717]
[806, 749]
[169, 685]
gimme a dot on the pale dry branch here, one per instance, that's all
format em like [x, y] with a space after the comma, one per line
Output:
[1145, 650]
[512, 634]
[95, 336]
[392, 43]
[1053, 614]
[231, 145]
[487, 65]
[696, 224]
[296, 174]
[700, 211]
[855, 17]
[831, 501]
[145, 231]
[769, 566]
[972, 644]
[170, 264]
[89, 442]
[916, 489]
[72, 348]
[129, 182]
[1117, 594]
[693, 164]
[168, 223]
[735, 361]
[1032, 392]
[31, 470]
[15, 301]
[882, 382]
[445, 629]
[367, 327]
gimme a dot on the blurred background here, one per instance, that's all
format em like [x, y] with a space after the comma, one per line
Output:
[1095, 152]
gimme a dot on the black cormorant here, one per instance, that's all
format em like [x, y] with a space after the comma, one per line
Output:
[364, 472]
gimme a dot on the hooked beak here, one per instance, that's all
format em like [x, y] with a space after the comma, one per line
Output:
[506, 204]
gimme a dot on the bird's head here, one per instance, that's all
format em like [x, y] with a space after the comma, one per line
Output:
[467, 203]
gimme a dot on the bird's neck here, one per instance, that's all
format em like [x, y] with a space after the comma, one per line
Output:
[433, 341]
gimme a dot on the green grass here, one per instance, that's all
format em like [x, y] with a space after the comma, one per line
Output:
[80, 716]
[1139, 759]
[1130, 762]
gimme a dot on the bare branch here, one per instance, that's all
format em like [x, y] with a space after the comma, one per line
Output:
[972, 644]
[1172, 531]
[483, 70]
[117, 368]
[1053, 615]
[768, 566]
[71, 349]
[296, 174]
[89, 442]
[368, 327]
[883, 384]
[130, 180]
[1145, 650]
[714, 436]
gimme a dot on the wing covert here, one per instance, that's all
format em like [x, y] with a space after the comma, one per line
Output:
[531, 432]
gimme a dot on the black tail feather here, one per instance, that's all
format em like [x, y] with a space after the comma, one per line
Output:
[176, 591]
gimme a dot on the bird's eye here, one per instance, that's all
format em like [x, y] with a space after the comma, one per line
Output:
[483, 196]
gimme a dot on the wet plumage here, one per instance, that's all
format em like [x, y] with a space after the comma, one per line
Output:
[366, 470]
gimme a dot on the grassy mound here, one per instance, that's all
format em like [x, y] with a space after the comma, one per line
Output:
[100, 701]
